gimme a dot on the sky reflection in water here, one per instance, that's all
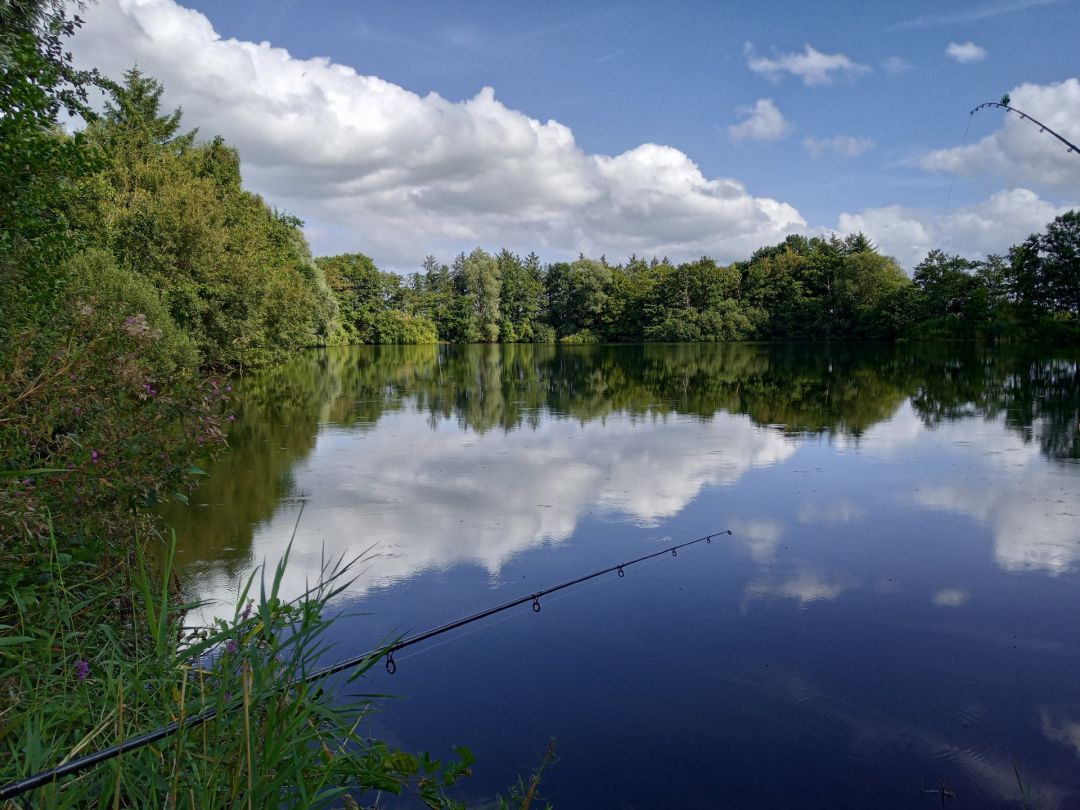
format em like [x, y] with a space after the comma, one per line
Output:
[896, 609]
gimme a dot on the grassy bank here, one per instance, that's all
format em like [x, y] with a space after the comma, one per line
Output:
[93, 651]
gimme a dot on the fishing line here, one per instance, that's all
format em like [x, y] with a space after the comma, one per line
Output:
[457, 637]
[508, 617]
[73, 766]
[956, 171]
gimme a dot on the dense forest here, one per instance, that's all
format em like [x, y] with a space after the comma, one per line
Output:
[803, 288]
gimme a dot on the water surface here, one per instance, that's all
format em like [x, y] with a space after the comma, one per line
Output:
[896, 611]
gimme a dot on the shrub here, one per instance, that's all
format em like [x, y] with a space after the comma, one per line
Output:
[100, 415]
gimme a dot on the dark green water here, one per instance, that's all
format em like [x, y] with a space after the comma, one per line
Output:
[898, 608]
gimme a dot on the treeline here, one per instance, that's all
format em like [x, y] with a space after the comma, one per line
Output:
[803, 288]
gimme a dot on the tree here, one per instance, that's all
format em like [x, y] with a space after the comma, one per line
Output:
[578, 297]
[1044, 270]
[235, 274]
[1059, 257]
[696, 301]
[38, 162]
[864, 284]
[773, 289]
[132, 115]
[521, 296]
[477, 281]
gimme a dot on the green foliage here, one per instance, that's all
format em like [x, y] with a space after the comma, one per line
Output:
[1044, 278]
[521, 297]
[95, 652]
[584, 336]
[523, 794]
[38, 162]
[87, 403]
[401, 327]
[234, 274]
[579, 296]
[98, 282]
[374, 307]
[865, 280]
[695, 301]
[481, 276]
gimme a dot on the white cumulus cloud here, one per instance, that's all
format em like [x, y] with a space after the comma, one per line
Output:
[489, 497]
[896, 65]
[761, 121]
[804, 586]
[1018, 151]
[812, 66]
[965, 52]
[375, 167]
[951, 597]
[991, 226]
[759, 537]
[842, 145]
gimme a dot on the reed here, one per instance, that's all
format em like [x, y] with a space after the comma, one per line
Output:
[94, 651]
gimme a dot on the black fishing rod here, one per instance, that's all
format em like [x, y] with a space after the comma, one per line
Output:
[21, 786]
[1004, 105]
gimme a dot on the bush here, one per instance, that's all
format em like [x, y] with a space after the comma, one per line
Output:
[543, 333]
[582, 336]
[100, 414]
[394, 326]
[97, 281]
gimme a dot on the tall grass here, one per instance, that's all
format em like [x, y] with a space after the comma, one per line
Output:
[85, 664]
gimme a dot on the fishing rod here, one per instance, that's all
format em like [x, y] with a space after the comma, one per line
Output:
[1004, 105]
[17, 788]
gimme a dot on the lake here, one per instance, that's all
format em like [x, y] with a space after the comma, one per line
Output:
[897, 611]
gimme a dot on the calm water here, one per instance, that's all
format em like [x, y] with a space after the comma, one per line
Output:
[898, 608]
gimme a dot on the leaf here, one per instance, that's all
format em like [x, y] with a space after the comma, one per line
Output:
[180, 496]
[37, 471]
[11, 641]
[467, 756]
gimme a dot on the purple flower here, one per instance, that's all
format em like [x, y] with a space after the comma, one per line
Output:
[82, 670]
[230, 646]
[232, 417]
[94, 455]
[246, 612]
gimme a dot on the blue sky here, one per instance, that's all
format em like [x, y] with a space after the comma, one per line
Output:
[844, 110]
